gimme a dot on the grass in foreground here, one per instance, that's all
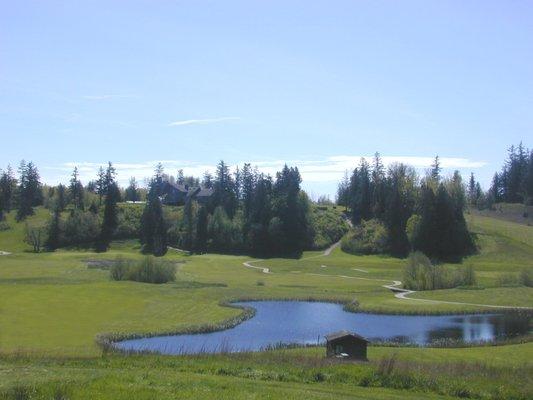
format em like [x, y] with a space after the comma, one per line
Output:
[52, 307]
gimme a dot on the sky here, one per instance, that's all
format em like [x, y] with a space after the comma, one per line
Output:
[312, 84]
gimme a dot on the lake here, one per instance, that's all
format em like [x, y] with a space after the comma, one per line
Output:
[302, 322]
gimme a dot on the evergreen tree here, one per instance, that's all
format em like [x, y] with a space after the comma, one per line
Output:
[355, 197]
[224, 187]
[201, 230]
[399, 208]
[248, 184]
[291, 212]
[76, 190]
[434, 173]
[495, 191]
[8, 185]
[61, 200]
[181, 177]
[366, 191]
[29, 190]
[207, 181]
[528, 181]
[153, 229]
[132, 191]
[442, 232]
[54, 230]
[261, 215]
[343, 191]
[110, 220]
[472, 195]
[378, 187]
[100, 185]
[188, 222]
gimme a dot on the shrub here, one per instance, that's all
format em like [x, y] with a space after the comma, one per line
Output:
[507, 279]
[370, 237]
[148, 270]
[420, 274]
[327, 227]
[4, 226]
[526, 277]
[81, 227]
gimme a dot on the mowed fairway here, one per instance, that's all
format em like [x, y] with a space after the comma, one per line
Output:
[52, 306]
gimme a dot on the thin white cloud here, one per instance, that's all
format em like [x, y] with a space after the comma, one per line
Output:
[204, 121]
[107, 96]
[327, 170]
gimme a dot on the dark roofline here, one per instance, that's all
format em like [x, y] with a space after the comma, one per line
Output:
[341, 334]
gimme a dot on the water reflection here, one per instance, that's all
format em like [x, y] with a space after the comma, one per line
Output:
[307, 322]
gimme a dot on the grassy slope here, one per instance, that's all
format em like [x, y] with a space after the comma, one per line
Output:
[52, 304]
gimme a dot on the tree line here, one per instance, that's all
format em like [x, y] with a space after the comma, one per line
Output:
[408, 212]
[249, 212]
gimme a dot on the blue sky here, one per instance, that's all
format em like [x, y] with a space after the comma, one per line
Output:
[317, 84]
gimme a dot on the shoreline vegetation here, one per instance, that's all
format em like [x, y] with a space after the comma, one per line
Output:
[107, 340]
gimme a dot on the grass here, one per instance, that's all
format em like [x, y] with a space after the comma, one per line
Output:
[52, 307]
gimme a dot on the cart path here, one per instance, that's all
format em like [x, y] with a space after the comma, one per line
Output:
[395, 287]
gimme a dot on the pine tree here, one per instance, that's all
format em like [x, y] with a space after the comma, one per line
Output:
[248, 183]
[61, 200]
[110, 220]
[207, 181]
[188, 222]
[343, 191]
[224, 187]
[528, 181]
[153, 228]
[132, 191]
[8, 185]
[29, 190]
[76, 190]
[54, 231]
[100, 184]
[472, 199]
[366, 191]
[435, 171]
[378, 187]
[201, 230]
[291, 210]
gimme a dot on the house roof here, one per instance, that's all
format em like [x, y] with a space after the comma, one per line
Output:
[181, 188]
[341, 334]
[192, 191]
[205, 192]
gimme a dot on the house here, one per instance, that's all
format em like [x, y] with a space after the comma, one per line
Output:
[345, 344]
[176, 194]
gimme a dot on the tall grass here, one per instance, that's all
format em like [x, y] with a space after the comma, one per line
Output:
[420, 274]
[148, 270]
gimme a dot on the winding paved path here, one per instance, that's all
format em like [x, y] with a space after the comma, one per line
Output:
[395, 287]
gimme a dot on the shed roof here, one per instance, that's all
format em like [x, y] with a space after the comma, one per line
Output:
[341, 334]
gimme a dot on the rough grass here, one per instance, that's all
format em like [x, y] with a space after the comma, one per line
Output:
[391, 373]
[52, 307]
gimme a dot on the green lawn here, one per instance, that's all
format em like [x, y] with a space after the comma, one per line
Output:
[52, 306]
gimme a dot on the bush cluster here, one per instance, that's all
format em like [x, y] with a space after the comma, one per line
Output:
[148, 270]
[370, 237]
[421, 274]
[327, 226]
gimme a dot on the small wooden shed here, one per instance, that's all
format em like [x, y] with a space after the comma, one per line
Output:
[346, 344]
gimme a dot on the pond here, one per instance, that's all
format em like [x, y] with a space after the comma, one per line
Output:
[301, 322]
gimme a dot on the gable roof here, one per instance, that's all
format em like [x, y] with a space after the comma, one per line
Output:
[341, 334]
[205, 192]
[181, 188]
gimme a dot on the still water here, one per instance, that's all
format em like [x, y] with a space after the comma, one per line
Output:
[300, 322]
